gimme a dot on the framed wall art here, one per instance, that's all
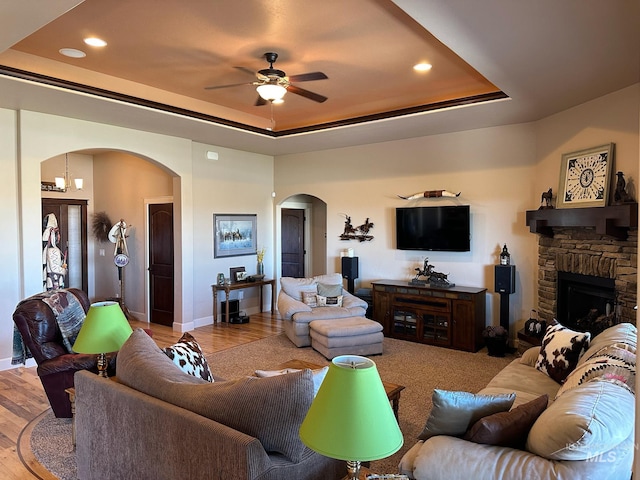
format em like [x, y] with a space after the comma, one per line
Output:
[234, 235]
[585, 177]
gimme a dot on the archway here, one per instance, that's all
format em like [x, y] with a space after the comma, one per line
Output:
[314, 211]
[108, 176]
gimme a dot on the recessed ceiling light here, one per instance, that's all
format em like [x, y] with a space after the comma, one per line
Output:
[422, 67]
[95, 42]
[72, 52]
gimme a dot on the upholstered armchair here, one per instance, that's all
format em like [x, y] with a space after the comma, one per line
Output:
[37, 319]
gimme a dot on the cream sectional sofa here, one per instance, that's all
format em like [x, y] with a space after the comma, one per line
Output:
[297, 315]
[587, 432]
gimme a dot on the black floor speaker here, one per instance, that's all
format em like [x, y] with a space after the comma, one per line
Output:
[505, 279]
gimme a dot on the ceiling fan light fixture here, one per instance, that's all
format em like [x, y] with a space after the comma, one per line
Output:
[271, 92]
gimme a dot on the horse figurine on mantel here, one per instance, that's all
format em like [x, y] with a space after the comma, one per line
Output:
[545, 199]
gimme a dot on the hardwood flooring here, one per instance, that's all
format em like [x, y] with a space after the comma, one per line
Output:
[22, 398]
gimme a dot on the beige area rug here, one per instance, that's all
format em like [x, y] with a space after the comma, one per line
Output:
[420, 368]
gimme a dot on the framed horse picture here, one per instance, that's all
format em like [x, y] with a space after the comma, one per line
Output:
[234, 235]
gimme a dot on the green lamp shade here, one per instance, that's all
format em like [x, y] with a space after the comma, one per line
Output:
[351, 418]
[104, 329]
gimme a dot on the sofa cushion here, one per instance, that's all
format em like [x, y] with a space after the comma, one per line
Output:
[560, 351]
[453, 412]
[508, 429]
[318, 375]
[269, 409]
[187, 355]
[584, 422]
[523, 378]
[295, 286]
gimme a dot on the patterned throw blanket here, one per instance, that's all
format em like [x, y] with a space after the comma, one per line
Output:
[69, 315]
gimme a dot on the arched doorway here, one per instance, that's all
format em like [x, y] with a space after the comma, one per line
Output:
[107, 179]
[302, 224]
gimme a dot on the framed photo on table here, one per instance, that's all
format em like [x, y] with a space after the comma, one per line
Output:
[234, 235]
[585, 177]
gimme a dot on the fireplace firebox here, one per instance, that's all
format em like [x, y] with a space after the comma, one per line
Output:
[584, 298]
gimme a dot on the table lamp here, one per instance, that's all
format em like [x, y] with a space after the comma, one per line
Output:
[351, 418]
[104, 330]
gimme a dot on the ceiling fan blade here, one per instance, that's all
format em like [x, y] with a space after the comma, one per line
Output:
[307, 94]
[260, 101]
[215, 87]
[306, 77]
[246, 70]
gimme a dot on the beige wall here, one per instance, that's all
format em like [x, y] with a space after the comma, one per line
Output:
[492, 168]
[241, 183]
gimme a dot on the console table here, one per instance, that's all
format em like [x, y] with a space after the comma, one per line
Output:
[239, 286]
[447, 317]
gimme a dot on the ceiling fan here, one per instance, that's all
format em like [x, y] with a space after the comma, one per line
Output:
[272, 84]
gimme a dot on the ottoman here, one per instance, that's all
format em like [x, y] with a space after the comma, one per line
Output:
[346, 336]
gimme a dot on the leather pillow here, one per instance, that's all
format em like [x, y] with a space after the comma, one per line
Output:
[508, 429]
[453, 412]
[560, 351]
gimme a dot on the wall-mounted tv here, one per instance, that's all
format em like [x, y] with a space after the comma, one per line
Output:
[441, 228]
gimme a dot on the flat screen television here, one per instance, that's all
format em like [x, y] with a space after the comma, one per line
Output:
[442, 228]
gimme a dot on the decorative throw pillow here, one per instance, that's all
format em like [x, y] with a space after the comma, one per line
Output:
[610, 364]
[188, 356]
[310, 299]
[329, 301]
[560, 351]
[329, 290]
[318, 375]
[453, 412]
[508, 429]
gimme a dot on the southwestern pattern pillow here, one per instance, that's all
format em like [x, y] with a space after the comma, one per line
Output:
[188, 356]
[560, 351]
[610, 364]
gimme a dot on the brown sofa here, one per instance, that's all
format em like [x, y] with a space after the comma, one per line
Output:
[157, 422]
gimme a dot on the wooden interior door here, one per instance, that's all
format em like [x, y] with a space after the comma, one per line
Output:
[71, 216]
[161, 263]
[292, 225]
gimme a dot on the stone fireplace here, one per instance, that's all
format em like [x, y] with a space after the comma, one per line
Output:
[581, 270]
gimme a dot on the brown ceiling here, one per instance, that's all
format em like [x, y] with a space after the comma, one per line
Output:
[168, 51]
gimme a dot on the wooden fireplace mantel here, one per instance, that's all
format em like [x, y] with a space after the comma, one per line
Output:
[614, 220]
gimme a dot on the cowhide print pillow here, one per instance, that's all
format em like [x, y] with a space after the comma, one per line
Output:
[188, 356]
[560, 351]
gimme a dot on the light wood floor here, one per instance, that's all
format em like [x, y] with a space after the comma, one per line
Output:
[22, 397]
